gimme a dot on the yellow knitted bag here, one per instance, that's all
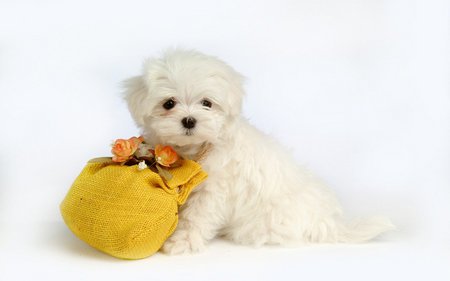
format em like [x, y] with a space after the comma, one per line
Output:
[126, 212]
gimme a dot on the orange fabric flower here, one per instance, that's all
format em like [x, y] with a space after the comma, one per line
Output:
[123, 150]
[165, 155]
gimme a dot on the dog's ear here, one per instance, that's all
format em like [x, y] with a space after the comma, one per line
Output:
[135, 94]
[236, 96]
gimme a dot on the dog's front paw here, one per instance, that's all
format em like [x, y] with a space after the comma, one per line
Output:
[183, 242]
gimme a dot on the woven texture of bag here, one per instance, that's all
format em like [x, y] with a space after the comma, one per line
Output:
[125, 212]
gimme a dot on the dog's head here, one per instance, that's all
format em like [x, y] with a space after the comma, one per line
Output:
[184, 98]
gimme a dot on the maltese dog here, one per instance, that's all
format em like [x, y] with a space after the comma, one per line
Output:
[255, 193]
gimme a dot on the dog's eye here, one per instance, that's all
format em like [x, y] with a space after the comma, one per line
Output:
[169, 104]
[206, 103]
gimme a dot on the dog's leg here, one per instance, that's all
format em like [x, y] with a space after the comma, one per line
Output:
[199, 221]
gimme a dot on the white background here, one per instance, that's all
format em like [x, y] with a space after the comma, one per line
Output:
[359, 90]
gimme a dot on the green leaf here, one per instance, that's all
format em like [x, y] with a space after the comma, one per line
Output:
[164, 173]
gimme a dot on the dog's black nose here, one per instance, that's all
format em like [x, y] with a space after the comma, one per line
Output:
[188, 122]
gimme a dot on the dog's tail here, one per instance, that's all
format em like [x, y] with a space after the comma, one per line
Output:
[363, 229]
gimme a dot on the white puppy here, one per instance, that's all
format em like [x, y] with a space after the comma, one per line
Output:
[255, 193]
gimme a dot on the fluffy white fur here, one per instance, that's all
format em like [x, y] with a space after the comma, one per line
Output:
[255, 193]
